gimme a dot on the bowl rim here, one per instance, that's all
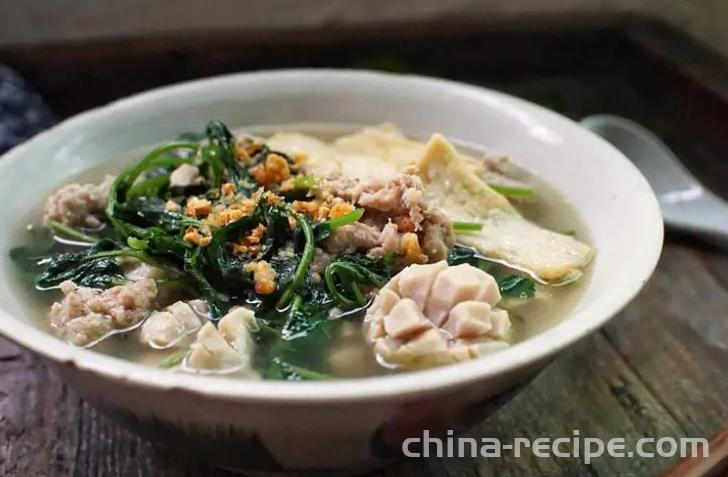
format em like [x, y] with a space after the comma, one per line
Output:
[536, 349]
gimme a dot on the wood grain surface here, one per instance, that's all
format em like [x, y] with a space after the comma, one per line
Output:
[659, 369]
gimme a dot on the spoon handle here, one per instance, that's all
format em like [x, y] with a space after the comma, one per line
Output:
[706, 215]
[685, 203]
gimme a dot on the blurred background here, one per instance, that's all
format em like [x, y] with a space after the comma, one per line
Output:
[107, 49]
[645, 59]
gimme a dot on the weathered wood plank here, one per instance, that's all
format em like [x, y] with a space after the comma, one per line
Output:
[96, 446]
[670, 338]
[8, 351]
[47, 430]
[590, 389]
[716, 260]
[33, 402]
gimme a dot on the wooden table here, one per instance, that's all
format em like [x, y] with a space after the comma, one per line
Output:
[658, 369]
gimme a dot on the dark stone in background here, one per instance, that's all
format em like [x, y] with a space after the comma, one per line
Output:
[23, 113]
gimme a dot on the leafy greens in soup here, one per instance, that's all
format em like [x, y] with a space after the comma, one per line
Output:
[296, 258]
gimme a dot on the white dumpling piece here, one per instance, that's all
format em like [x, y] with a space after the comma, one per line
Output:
[227, 347]
[165, 328]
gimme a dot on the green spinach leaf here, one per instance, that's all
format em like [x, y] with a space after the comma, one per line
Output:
[89, 268]
[283, 370]
[516, 286]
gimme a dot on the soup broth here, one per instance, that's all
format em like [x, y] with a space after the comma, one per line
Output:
[338, 348]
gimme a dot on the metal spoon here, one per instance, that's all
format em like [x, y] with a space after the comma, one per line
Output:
[685, 203]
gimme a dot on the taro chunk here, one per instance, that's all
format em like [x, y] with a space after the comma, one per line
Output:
[416, 281]
[405, 319]
[456, 284]
[435, 314]
[469, 318]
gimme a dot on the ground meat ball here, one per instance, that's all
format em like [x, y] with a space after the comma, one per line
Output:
[390, 239]
[396, 220]
[78, 204]
[353, 237]
[87, 314]
[401, 195]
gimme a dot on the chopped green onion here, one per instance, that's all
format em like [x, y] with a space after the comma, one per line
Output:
[174, 359]
[512, 191]
[467, 226]
[59, 228]
[137, 244]
[347, 219]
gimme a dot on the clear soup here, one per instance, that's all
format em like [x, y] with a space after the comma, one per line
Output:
[338, 349]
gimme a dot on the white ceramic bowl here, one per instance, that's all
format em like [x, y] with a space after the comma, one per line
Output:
[344, 425]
